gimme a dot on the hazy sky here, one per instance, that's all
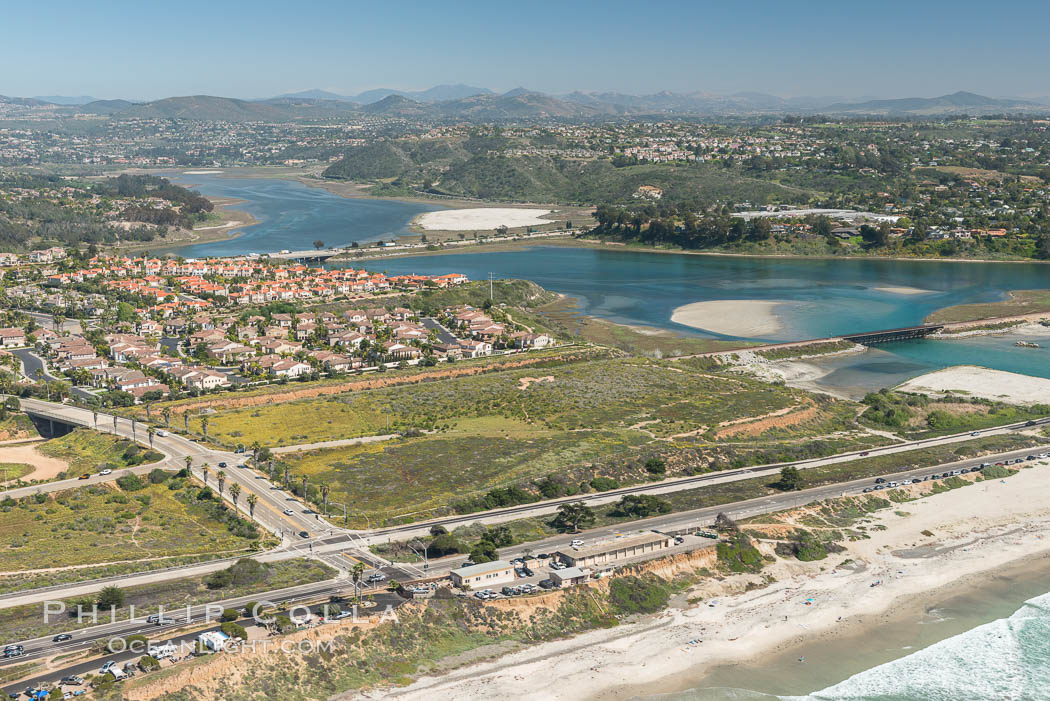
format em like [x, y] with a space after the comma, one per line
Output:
[146, 50]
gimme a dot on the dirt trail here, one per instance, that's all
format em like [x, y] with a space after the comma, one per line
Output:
[46, 466]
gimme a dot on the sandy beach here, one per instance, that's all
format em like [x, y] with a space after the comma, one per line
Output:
[974, 381]
[481, 218]
[733, 317]
[929, 548]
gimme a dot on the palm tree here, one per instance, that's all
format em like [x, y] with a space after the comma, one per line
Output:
[186, 420]
[133, 430]
[149, 432]
[356, 572]
[222, 481]
[189, 462]
[304, 485]
[204, 427]
[286, 475]
[204, 469]
[94, 418]
[325, 489]
[252, 501]
[235, 491]
[166, 413]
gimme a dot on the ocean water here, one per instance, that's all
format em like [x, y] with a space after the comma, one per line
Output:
[990, 643]
[1007, 659]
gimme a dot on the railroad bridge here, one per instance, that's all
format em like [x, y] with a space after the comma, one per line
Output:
[871, 338]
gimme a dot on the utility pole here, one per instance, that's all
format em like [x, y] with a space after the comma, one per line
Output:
[490, 287]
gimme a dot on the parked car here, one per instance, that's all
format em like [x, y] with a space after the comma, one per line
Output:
[576, 543]
[72, 680]
[547, 584]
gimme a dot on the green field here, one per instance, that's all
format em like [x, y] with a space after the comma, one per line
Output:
[464, 437]
[11, 471]
[1020, 302]
[88, 451]
[105, 523]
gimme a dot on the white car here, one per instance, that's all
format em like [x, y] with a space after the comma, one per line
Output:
[162, 433]
[107, 471]
[288, 512]
[577, 543]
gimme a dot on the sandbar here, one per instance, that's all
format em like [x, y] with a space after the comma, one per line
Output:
[902, 290]
[975, 381]
[482, 218]
[746, 318]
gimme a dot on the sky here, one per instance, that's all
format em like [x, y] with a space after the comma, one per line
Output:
[235, 48]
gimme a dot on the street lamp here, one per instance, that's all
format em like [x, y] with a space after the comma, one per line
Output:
[426, 563]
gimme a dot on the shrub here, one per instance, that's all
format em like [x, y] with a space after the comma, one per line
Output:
[655, 466]
[446, 544]
[629, 595]
[158, 476]
[131, 483]
[234, 630]
[739, 554]
[111, 596]
[229, 615]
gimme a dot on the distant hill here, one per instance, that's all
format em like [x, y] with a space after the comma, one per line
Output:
[66, 100]
[397, 106]
[22, 101]
[945, 104]
[228, 109]
[438, 93]
[104, 107]
[313, 95]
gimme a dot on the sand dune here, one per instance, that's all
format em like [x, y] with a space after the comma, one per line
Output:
[903, 290]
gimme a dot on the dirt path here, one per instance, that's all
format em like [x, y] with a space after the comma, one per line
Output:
[46, 467]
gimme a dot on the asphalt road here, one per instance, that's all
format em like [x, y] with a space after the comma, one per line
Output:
[32, 362]
[670, 523]
[444, 335]
[45, 647]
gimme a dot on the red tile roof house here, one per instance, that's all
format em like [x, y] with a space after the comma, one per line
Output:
[12, 337]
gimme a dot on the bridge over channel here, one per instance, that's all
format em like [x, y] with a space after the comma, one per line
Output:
[870, 338]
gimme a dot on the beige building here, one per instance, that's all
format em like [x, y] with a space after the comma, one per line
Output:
[615, 550]
[484, 575]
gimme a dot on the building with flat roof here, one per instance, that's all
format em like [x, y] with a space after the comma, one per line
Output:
[569, 575]
[484, 575]
[614, 550]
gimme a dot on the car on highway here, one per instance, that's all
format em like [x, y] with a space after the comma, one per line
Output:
[1029, 423]
[868, 489]
[222, 464]
[243, 466]
[376, 577]
[105, 472]
[975, 433]
[576, 543]
[85, 476]
[304, 534]
[162, 433]
[61, 637]
[287, 512]
[880, 480]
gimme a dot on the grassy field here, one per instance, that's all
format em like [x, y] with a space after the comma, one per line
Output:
[1020, 302]
[807, 350]
[10, 471]
[536, 528]
[16, 426]
[22, 622]
[104, 523]
[606, 418]
[87, 451]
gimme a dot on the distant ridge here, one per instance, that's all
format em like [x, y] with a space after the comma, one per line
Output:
[956, 102]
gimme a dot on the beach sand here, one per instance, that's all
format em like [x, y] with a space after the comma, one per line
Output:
[974, 381]
[949, 540]
[481, 218]
[747, 318]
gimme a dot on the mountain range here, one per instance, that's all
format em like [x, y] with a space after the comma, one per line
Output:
[465, 102]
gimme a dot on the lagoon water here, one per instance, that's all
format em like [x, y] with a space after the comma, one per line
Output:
[825, 297]
[292, 216]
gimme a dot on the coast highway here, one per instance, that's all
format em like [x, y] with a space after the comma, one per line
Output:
[682, 522]
[328, 543]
